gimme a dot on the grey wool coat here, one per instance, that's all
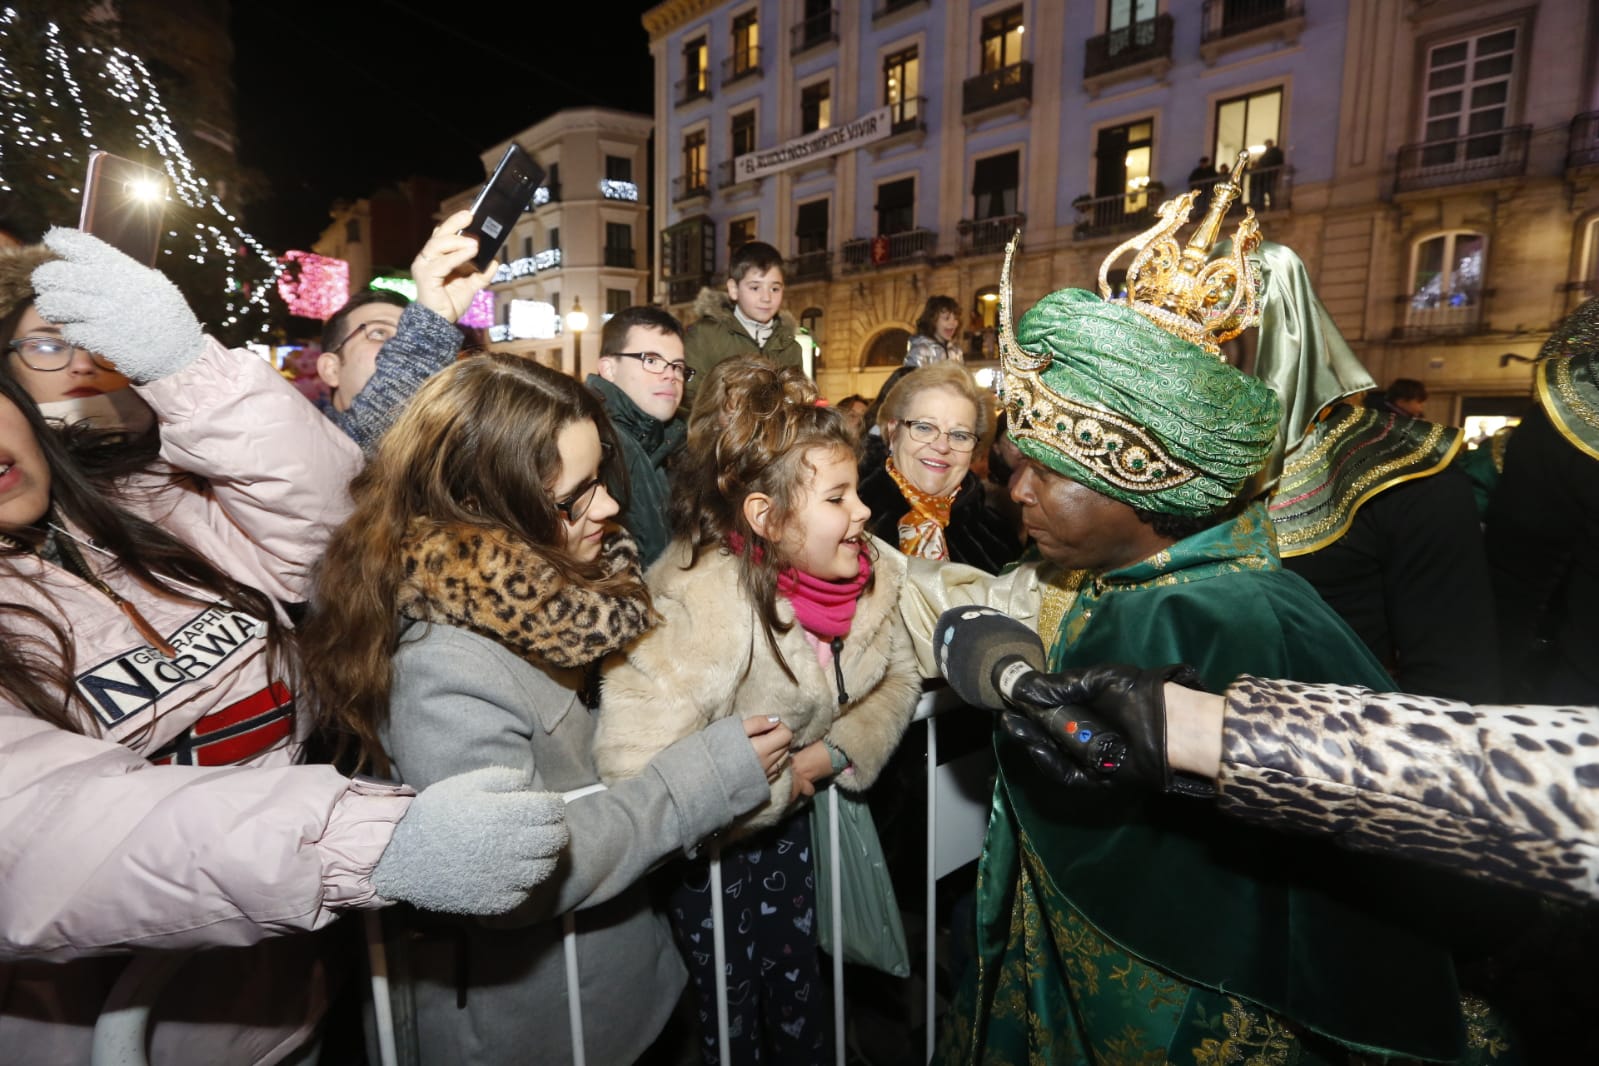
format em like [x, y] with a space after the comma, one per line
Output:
[708, 660]
[462, 701]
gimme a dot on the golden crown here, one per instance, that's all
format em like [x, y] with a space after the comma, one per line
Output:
[1178, 287]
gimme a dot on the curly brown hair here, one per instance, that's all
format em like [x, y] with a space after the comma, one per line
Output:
[476, 447]
[753, 429]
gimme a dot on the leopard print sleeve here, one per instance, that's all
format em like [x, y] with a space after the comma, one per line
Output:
[1506, 793]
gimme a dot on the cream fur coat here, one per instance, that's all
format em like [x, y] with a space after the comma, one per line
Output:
[709, 659]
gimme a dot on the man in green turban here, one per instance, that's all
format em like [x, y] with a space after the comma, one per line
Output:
[1115, 927]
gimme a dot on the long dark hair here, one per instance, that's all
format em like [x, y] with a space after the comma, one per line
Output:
[87, 472]
[476, 447]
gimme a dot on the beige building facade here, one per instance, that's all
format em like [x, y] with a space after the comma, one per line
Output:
[1436, 164]
[583, 246]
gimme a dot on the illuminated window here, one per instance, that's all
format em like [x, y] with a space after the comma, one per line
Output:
[1247, 122]
[695, 173]
[1002, 40]
[746, 43]
[816, 107]
[902, 86]
[1446, 282]
[1124, 154]
[696, 57]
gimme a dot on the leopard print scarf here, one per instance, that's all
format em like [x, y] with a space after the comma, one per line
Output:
[501, 587]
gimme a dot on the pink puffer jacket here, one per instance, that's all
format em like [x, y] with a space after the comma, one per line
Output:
[179, 820]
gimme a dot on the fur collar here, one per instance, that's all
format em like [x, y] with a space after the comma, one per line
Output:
[499, 586]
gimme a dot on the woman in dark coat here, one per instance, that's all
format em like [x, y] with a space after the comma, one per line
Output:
[925, 498]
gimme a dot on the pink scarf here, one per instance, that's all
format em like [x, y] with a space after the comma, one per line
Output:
[824, 607]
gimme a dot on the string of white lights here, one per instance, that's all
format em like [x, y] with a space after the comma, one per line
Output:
[217, 237]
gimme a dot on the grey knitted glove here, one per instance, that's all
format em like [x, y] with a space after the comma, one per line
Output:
[475, 843]
[116, 307]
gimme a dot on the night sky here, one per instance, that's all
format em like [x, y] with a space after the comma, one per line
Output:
[335, 100]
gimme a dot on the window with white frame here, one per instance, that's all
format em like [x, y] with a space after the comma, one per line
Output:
[1446, 281]
[1467, 94]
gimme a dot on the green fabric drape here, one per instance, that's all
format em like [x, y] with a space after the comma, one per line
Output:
[1124, 928]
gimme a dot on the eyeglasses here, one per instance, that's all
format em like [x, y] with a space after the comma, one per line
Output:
[48, 354]
[575, 506]
[376, 332]
[658, 365]
[960, 440]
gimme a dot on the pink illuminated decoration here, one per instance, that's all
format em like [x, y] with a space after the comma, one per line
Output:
[481, 313]
[314, 286]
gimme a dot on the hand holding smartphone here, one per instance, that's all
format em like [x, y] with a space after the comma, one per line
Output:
[123, 202]
[504, 197]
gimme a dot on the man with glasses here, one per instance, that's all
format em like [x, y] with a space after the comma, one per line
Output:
[379, 347]
[640, 381]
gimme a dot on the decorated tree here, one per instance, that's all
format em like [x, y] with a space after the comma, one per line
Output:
[67, 88]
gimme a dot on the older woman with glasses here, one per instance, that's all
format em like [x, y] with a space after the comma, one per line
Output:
[925, 498]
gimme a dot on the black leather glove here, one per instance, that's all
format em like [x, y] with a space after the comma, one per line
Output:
[1101, 725]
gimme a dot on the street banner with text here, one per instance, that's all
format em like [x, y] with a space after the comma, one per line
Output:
[873, 126]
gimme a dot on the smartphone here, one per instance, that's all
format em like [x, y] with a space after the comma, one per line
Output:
[503, 199]
[123, 202]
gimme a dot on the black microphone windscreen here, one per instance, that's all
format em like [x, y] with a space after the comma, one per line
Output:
[968, 642]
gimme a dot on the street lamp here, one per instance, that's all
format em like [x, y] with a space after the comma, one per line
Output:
[576, 322]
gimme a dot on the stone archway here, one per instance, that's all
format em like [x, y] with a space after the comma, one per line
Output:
[887, 348]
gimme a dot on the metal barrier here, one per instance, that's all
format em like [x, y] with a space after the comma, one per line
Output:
[956, 819]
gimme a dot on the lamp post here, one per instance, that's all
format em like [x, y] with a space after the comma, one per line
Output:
[576, 322]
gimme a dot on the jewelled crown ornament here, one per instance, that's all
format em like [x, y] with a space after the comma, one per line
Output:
[1130, 397]
[1177, 286]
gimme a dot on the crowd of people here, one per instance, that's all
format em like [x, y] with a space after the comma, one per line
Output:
[264, 663]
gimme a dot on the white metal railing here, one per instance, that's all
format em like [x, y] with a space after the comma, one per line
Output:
[957, 815]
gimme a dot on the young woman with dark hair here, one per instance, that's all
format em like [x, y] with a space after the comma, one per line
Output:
[460, 616]
[148, 735]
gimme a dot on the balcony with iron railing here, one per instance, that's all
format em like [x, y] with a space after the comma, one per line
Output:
[694, 87]
[1222, 19]
[809, 266]
[1142, 48]
[885, 8]
[907, 115]
[626, 258]
[985, 236]
[1582, 149]
[996, 88]
[687, 186]
[888, 249]
[819, 29]
[1266, 189]
[1487, 156]
[1426, 314]
[1104, 216]
[744, 63]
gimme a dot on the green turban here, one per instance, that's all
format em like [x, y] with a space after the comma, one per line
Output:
[1567, 377]
[1134, 412]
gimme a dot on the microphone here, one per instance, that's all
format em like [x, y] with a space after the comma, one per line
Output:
[984, 654]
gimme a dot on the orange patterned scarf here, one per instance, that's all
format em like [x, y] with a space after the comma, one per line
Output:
[921, 529]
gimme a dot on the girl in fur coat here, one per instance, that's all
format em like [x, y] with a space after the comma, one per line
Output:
[773, 601]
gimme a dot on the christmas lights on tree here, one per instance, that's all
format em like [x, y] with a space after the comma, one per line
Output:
[481, 313]
[49, 133]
